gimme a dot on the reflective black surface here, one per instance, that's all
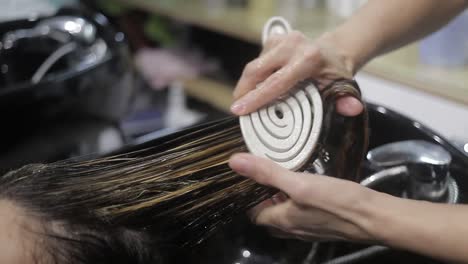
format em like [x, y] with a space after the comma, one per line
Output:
[242, 242]
[100, 87]
[82, 87]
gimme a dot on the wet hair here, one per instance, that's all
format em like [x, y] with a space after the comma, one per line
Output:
[126, 208]
[120, 209]
[68, 239]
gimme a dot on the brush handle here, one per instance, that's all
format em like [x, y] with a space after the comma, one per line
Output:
[286, 131]
[275, 26]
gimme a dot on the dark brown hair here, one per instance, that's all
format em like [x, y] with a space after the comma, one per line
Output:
[118, 209]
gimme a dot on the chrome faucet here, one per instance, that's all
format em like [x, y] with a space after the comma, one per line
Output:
[425, 164]
[61, 29]
[76, 37]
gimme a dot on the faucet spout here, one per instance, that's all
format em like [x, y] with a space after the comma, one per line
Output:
[427, 166]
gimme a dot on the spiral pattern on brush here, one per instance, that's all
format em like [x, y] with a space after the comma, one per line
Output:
[287, 130]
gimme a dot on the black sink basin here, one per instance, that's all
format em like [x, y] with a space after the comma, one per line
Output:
[242, 242]
[94, 80]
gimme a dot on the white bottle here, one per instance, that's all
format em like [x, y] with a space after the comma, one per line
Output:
[177, 114]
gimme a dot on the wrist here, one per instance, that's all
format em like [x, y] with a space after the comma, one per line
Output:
[349, 54]
[373, 216]
[387, 219]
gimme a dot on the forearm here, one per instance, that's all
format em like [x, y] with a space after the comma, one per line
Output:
[437, 230]
[381, 26]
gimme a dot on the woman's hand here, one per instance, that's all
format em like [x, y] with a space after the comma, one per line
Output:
[314, 207]
[318, 207]
[286, 60]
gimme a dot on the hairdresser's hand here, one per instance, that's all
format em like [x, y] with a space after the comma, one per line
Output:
[284, 61]
[318, 207]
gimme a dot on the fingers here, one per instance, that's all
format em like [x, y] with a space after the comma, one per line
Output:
[287, 219]
[277, 84]
[277, 54]
[279, 198]
[309, 237]
[305, 189]
[273, 41]
[284, 61]
[319, 206]
[304, 62]
[301, 187]
[266, 172]
[349, 106]
[258, 70]
[275, 216]
[273, 57]
[275, 199]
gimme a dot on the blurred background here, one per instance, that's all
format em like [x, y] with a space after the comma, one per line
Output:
[87, 77]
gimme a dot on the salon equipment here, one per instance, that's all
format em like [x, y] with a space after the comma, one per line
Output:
[70, 71]
[424, 166]
[298, 128]
[60, 28]
[74, 61]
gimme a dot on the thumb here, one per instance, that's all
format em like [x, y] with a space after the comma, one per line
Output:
[349, 106]
[266, 172]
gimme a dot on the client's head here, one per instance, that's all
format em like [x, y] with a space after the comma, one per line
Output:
[33, 230]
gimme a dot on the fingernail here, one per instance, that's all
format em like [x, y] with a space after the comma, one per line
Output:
[238, 108]
[349, 106]
[240, 165]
